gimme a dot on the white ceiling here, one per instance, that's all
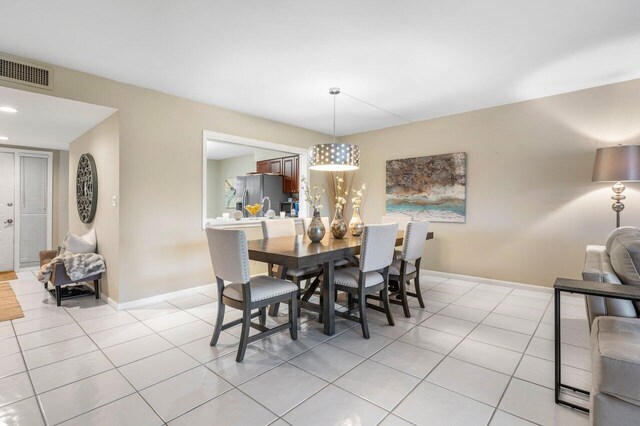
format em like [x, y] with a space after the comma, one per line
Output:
[46, 121]
[277, 58]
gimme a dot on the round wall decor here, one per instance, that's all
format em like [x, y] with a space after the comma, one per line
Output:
[87, 188]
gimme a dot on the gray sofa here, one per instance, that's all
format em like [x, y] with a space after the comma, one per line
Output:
[615, 331]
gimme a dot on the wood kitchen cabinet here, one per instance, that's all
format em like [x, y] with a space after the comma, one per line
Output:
[275, 166]
[288, 167]
[263, 167]
[290, 174]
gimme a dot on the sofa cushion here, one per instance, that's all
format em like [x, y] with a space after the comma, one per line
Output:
[623, 230]
[615, 357]
[81, 243]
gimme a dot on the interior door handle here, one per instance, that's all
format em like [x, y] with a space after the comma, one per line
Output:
[9, 221]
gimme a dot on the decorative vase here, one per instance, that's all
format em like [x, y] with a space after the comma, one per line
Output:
[316, 230]
[338, 227]
[356, 226]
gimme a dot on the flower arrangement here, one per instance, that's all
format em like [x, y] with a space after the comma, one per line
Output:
[358, 196]
[314, 196]
[340, 200]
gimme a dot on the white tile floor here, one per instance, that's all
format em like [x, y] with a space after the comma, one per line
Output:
[478, 354]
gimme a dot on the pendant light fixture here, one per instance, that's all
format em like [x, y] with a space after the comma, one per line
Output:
[334, 157]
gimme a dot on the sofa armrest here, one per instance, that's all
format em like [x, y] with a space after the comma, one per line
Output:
[47, 256]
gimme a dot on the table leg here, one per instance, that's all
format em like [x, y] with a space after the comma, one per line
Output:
[557, 343]
[328, 297]
[282, 274]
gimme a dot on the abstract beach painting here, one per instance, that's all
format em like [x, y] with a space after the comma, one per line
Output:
[432, 187]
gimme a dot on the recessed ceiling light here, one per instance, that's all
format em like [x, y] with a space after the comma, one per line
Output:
[4, 138]
[8, 109]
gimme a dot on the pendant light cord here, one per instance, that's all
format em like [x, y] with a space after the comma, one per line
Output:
[334, 117]
[367, 103]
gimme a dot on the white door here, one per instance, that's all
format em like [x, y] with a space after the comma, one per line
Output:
[7, 219]
[33, 209]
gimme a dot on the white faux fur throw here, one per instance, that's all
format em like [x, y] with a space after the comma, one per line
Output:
[78, 266]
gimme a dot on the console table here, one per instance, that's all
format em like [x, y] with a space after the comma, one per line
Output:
[588, 288]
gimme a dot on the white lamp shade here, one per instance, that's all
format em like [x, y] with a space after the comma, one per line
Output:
[334, 157]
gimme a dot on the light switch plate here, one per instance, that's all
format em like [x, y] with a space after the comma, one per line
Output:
[114, 201]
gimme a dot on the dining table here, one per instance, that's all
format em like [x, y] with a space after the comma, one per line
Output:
[301, 252]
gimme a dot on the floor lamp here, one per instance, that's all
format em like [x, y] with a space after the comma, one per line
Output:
[617, 164]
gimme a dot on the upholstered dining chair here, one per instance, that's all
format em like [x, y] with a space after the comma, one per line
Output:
[402, 222]
[276, 228]
[230, 260]
[402, 271]
[371, 276]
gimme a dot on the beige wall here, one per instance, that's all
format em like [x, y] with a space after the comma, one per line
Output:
[162, 244]
[531, 205]
[102, 142]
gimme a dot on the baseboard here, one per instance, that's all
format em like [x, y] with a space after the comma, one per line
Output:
[491, 281]
[155, 299]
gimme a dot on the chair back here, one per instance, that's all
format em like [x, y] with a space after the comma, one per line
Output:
[400, 220]
[378, 242]
[229, 254]
[275, 228]
[306, 221]
[415, 238]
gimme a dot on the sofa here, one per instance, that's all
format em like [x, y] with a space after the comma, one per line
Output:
[615, 330]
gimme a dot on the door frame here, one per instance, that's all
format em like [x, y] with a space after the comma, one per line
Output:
[17, 154]
[303, 169]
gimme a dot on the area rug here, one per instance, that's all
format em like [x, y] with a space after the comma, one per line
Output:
[8, 276]
[9, 306]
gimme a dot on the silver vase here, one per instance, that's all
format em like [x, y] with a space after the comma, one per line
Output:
[356, 225]
[338, 227]
[316, 230]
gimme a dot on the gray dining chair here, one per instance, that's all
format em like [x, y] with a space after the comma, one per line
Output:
[230, 260]
[371, 276]
[276, 228]
[402, 222]
[402, 271]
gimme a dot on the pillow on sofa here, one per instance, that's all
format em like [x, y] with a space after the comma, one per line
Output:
[620, 231]
[625, 257]
[81, 243]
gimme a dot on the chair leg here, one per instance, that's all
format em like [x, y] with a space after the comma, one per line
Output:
[350, 302]
[273, 309]
[263, 316]
[218, 327]
[405, 301]
[96, 288]
[384, 295]
[416, 281]
[244, 335]
[293, 317]
[362, 305]
[58, 296]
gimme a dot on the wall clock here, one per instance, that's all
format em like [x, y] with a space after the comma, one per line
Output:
[87, 188]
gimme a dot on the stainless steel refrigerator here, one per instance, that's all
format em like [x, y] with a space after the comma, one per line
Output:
[252, 189]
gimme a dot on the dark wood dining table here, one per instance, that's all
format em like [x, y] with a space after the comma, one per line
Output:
[300, 252]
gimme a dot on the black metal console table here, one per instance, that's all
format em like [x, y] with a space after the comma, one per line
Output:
[588, 288]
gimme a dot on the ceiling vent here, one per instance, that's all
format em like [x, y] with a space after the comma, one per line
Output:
[19, 71]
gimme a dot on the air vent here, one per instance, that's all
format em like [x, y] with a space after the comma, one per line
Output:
[19, 71]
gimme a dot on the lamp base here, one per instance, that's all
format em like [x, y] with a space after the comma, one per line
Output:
[617, 197]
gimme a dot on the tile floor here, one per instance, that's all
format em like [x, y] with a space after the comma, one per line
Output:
[478, 354]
